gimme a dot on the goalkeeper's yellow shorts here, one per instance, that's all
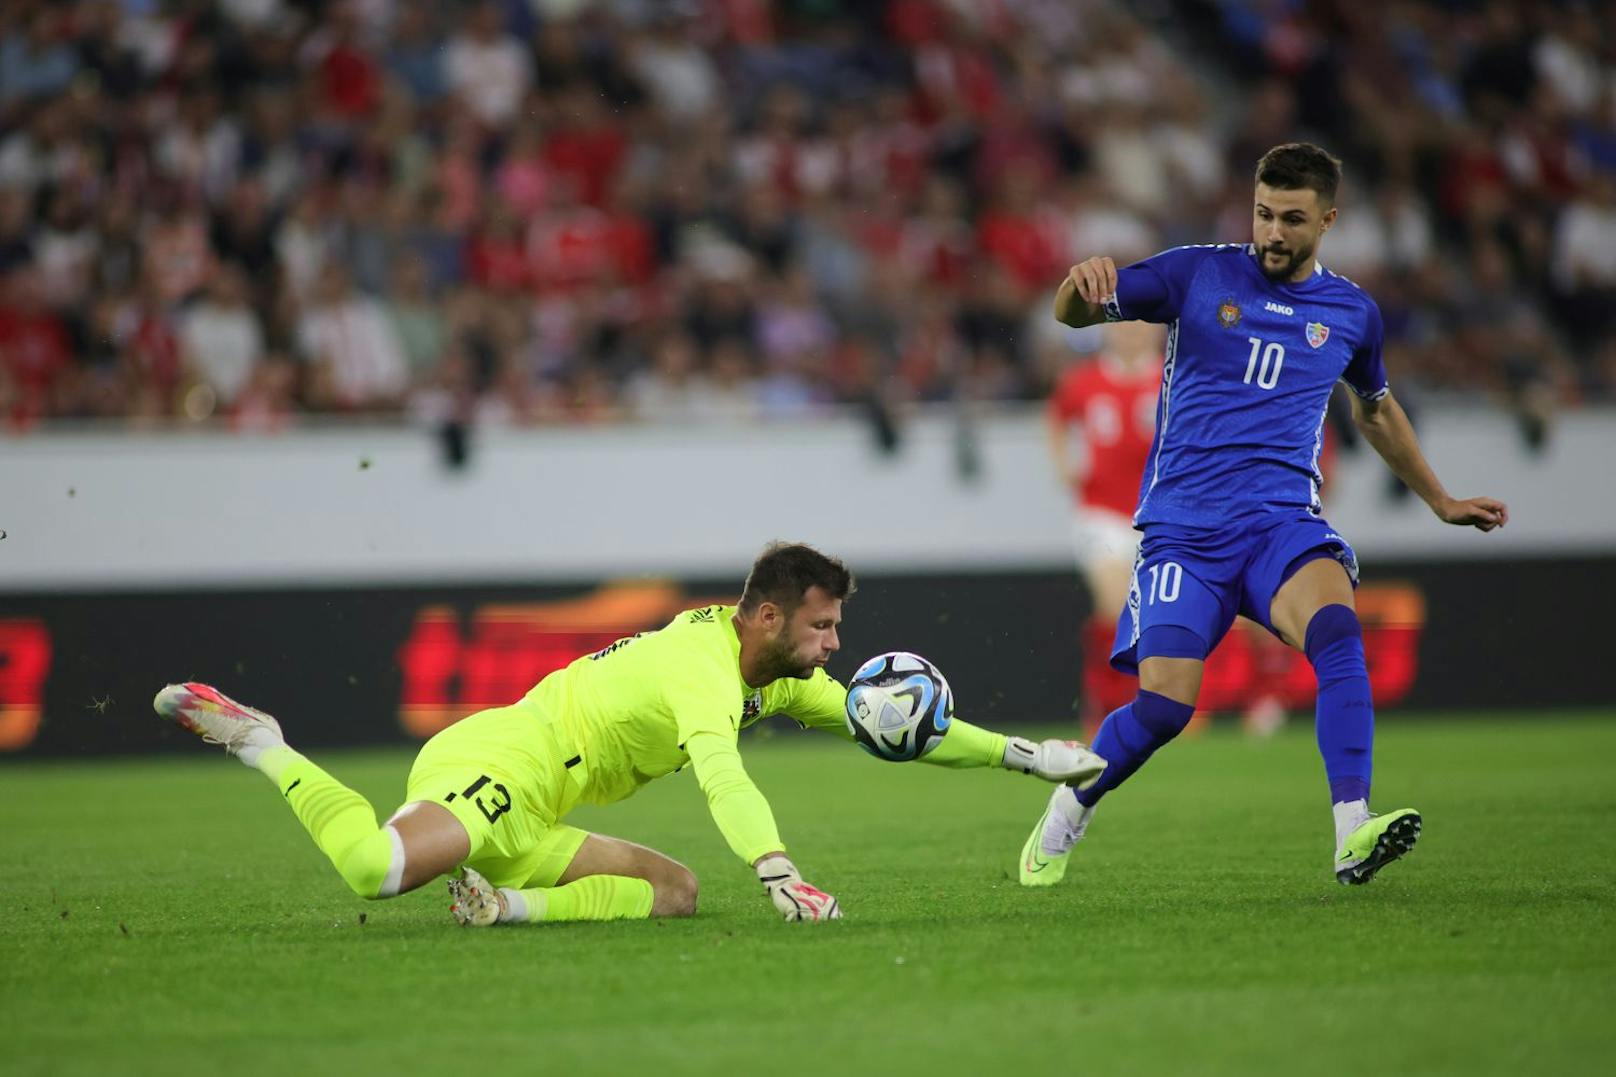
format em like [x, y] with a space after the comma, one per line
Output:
[504, 776]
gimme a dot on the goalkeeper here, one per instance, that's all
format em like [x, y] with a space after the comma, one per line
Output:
[486, 797]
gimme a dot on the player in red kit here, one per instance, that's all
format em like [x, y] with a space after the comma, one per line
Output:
[1101, 420]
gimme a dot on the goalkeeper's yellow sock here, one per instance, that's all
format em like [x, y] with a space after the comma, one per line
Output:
[594, 897]
[369, 858]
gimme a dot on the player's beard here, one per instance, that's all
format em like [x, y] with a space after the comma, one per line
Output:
[779, 659]
[1297, 258]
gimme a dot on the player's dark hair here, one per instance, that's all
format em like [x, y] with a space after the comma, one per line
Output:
[784, 571]
[1295, 166]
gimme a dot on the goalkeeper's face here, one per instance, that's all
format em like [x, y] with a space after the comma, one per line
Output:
[804, 639]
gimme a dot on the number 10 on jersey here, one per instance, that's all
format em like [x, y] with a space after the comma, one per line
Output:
[1264, 362]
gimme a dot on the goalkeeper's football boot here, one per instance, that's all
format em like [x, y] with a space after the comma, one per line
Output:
[474, 903]
[1049, 846]
[215, 717]
[1379, 841]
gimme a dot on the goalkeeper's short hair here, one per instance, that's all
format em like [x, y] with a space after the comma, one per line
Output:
[784, 572]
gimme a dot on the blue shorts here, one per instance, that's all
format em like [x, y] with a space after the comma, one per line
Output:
[1199, 578]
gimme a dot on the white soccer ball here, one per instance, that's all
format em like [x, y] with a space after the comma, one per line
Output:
[898, 706]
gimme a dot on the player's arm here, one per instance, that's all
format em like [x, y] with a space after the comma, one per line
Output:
[821, 703]
[744, 818]
[1096, 291]
[1384, 424]
[1054, 760]
[1080, 299]
[735, 803]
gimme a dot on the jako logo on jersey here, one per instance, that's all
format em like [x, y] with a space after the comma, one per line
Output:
[1317, 334]
[1277, 308]
[1229, 314]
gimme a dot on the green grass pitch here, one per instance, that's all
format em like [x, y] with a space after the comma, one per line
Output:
[169, 916]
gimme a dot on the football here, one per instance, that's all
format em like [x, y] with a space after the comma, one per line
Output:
[898, 706]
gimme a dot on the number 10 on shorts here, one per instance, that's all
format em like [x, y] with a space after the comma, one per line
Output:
[1165, 579]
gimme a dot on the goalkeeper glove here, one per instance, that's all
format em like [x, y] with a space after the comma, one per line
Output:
[795, 899]
[1066, 761]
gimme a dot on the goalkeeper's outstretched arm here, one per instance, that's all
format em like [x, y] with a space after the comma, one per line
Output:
[965, 746]
[1054, 760]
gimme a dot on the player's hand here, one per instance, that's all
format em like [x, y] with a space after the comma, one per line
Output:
[795, 899]
[1482, 513]
[1066, 761]
[1095, 279]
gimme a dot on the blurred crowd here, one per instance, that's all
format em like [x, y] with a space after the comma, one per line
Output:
[528, 211]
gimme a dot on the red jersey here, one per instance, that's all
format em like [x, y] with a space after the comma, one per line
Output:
[1116, 412]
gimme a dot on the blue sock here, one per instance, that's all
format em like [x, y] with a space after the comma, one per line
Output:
[1345, 712]
[1129, 735]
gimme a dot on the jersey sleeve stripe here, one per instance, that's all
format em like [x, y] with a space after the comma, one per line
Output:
[1169, 361]
[1378, 394]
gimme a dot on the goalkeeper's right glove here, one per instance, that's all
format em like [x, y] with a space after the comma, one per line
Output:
[1067, 761]
[795, 899]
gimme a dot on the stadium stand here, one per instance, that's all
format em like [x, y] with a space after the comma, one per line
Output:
[543, 211]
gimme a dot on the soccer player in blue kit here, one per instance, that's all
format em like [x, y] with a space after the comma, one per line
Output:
[1229, 503]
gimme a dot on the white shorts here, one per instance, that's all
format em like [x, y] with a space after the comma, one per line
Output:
[1100, 536]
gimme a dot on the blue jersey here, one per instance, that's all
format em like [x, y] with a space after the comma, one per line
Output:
[1249, 368]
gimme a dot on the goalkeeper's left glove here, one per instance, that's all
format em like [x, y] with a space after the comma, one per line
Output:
[795, 899]
[1066, 761]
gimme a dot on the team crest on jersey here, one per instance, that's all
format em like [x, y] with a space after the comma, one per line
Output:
[1317, 334]
[1229, 314]
[750, 709]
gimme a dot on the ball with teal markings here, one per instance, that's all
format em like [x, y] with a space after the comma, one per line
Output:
[898, 706]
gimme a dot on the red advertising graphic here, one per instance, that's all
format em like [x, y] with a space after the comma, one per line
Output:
[1250, 663]
[25, 657]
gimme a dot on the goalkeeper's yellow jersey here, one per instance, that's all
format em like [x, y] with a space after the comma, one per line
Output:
[649, 704]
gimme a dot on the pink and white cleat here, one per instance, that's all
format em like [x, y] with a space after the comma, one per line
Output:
[217, 718]
[473, 902]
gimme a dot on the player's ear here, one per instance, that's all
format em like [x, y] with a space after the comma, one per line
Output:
[769, 614]
[1327, 221]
